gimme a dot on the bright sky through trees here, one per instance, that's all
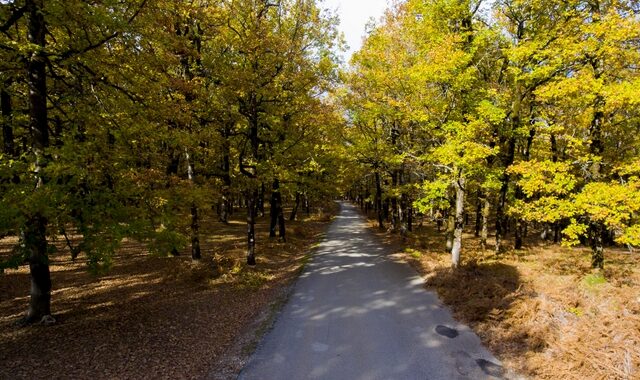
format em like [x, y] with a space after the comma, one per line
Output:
[354, 15]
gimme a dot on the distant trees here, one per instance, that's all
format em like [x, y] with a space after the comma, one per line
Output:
[132, 119]
[527, 116]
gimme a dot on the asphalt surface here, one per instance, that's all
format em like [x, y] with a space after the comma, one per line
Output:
[356, 314]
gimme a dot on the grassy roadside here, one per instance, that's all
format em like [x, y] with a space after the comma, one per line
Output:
[157, 317]
[541, 310]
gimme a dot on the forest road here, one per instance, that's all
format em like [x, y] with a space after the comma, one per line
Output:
[357, 314]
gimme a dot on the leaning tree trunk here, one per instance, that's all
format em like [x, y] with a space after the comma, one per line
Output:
[294, 211]
[459, 222]
[34, 233]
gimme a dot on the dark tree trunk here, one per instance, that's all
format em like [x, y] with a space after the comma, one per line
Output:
[596, 229]
[195, 226]
[260, 203]
[597, 246]
[307, 205]
[394, 202]
[276, 205]
[501, 219]
[34, 234]
[484, 235]
[252, 197]
[478, 227]
[282, 229]
[195, 234]
[226, 204]
[294, 211]
[520, 224]
[379, 201]
[459, 222]
[7, 128]
[35, 242]
[507, 160]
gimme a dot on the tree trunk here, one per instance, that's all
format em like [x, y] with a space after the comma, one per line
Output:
[478, 227]
[282, 230]
[307, 205]
[294, 211]
[451, 220]
[394, 202]
[34, 234]
[226, 204]
[195, 226]
[379, 201]
[459, 222]
[501, 219]
[195, 234]
[7, 127]
[521, 225]
[597, 246]
[35, 242]
[484, 235]
[596, 229]
[260, 203]
[252, 196]
[276, 205]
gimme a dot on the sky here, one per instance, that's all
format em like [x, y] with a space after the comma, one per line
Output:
[354, 15]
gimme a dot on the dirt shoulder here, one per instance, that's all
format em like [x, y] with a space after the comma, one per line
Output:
[541, 310]
[156, 317]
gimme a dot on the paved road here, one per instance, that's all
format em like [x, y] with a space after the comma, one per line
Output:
[356, 314]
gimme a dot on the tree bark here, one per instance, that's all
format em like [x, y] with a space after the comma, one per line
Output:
[252, 196]
[379, 201]
[34, 234]
[276, 208]
[451, 220]
[260, 203]
[294, 211]
[195, 234]
[459, 222]
[501, 219]
[226, 204]
[486, 209]
[521, 225]
[195, 226]
[7, 127]
[597, 246]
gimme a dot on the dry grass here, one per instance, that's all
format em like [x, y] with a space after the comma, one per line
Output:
[154, 317]
[541, 310]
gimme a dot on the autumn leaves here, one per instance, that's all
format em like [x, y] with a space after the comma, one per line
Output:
[526, 111]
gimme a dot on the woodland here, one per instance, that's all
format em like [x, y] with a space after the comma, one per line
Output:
[146, 121]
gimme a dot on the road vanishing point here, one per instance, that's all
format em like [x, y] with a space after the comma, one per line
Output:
[355, 313]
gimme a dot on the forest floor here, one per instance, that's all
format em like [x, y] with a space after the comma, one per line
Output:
[156, 317]
[541, 310]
